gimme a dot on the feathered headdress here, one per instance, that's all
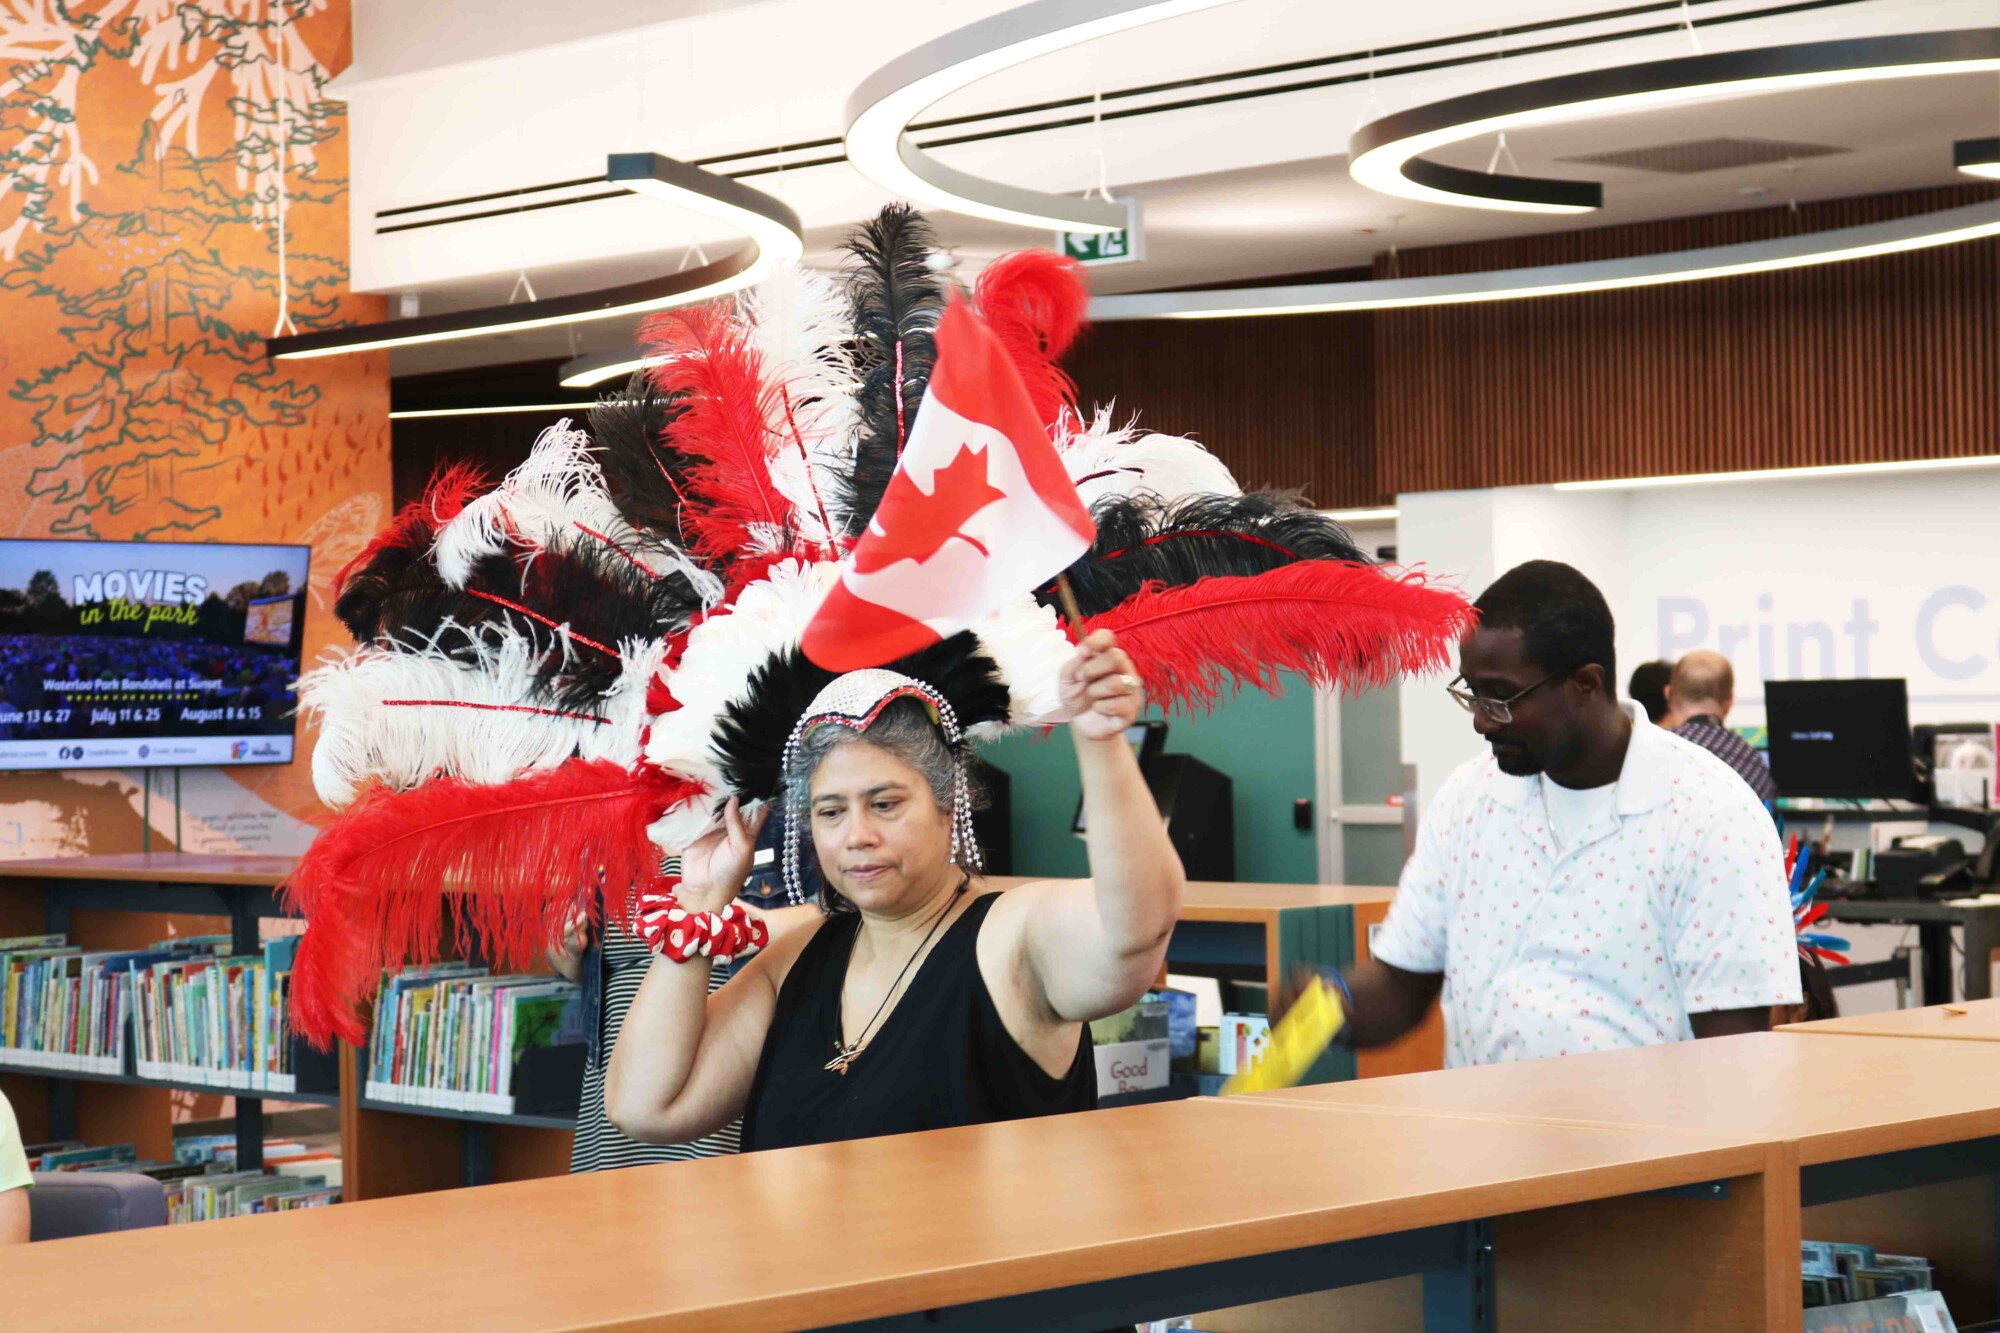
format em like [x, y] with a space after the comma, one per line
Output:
[561, 676]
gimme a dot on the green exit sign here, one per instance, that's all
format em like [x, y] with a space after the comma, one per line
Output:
[1106, 247]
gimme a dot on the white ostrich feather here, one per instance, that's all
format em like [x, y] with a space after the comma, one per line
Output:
[557, 495]
[1103, 459]
[799, 322]
[1026, 641]
[362, 736]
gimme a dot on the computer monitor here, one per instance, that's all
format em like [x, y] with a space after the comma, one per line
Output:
[1147, 739]
[1840, 739]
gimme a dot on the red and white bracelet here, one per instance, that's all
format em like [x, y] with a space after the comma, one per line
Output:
[677, 934]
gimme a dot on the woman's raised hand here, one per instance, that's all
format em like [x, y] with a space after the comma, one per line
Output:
[715, 865]
[1100, 688]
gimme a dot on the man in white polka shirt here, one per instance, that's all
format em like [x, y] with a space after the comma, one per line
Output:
[1593, 882]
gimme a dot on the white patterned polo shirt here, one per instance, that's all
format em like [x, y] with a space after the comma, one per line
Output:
[1675, 904]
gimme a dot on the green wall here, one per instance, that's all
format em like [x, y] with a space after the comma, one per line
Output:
[1264, 744]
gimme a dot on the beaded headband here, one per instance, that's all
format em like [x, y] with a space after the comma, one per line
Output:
[854, 701]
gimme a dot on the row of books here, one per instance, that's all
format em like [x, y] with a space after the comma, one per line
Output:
[202, 1182]
[62, 1007]
[453, 1035]
[186, 1009]
[1848, 1287]
[223, 1020]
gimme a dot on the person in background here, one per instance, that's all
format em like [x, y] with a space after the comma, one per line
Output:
[1699, 697]
[15, 1179]
[1649, 689]
[610, 965]
[1594, 881]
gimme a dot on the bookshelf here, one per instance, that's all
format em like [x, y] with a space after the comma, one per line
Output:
[1250, 931]
[116, 902]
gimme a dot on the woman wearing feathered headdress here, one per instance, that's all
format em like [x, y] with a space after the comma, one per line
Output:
[565, 676]
[925, 999]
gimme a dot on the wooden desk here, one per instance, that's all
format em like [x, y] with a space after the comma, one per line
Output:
[1035, 1224]
[1916, 1123]
[1834, 1102]
[1979, 1020]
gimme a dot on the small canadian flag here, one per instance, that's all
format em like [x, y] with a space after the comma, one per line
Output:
[980, 511]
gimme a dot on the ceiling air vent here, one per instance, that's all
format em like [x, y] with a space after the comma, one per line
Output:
[1699, 155]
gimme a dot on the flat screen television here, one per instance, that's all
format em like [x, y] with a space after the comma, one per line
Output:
[148, 654]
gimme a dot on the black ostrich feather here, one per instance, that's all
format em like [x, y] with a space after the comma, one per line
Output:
[752, 733]
[642, 469]
[1141, 541]
[604, 600]
[897, 302]
[423, 611]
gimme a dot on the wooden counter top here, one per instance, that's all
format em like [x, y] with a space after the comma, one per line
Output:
[1837, 1099]
[855, 1230]
[1975, 1020]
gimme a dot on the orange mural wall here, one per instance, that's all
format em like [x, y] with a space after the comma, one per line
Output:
[175, 188]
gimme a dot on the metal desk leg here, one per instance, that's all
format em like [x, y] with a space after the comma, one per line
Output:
[1982, 936]
[1460, 1299]
[1935, 967]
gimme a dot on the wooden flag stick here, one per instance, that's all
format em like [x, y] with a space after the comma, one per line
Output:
[1069, 606]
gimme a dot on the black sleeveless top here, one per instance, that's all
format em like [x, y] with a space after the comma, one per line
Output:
[941, 1058]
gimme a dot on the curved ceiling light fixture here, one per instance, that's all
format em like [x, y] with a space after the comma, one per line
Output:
[1386, 154]
[1978, 157]
[594, 368]
[1943, 227]
[775, 238]
[879, 112]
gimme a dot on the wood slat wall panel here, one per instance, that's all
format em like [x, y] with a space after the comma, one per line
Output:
[1874, 360]
[1284, 402]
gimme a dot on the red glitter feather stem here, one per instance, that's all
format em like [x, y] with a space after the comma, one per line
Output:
[506, 864]
[493, 708]
[538, 616]
[901, 434]
[1331, 622]
[805, 457]
[633, 560]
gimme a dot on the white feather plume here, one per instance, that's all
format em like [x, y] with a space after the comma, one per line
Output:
[557, 494]
[1103, 459]
[620, 737]
[799, 322]
[364, 737]
[768, 617]
[1026, 641]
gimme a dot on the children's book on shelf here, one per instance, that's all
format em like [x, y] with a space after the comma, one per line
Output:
[453, 1036]
[202, 1181]
[218, 1019]
[187, 1011]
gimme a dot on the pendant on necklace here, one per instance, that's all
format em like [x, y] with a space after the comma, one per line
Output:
[840, 1062]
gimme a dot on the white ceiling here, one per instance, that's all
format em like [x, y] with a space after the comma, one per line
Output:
[1242, 190]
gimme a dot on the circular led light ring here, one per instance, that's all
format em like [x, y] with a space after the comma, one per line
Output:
[775, 238]
[1944, 227]
[879, 112]
[1386, 154]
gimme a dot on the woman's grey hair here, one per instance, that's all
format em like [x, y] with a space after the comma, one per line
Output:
[905, 730]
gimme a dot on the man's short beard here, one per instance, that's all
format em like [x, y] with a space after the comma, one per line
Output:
[1519, 764]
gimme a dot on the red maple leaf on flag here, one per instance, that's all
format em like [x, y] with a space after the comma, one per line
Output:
[915, 525]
